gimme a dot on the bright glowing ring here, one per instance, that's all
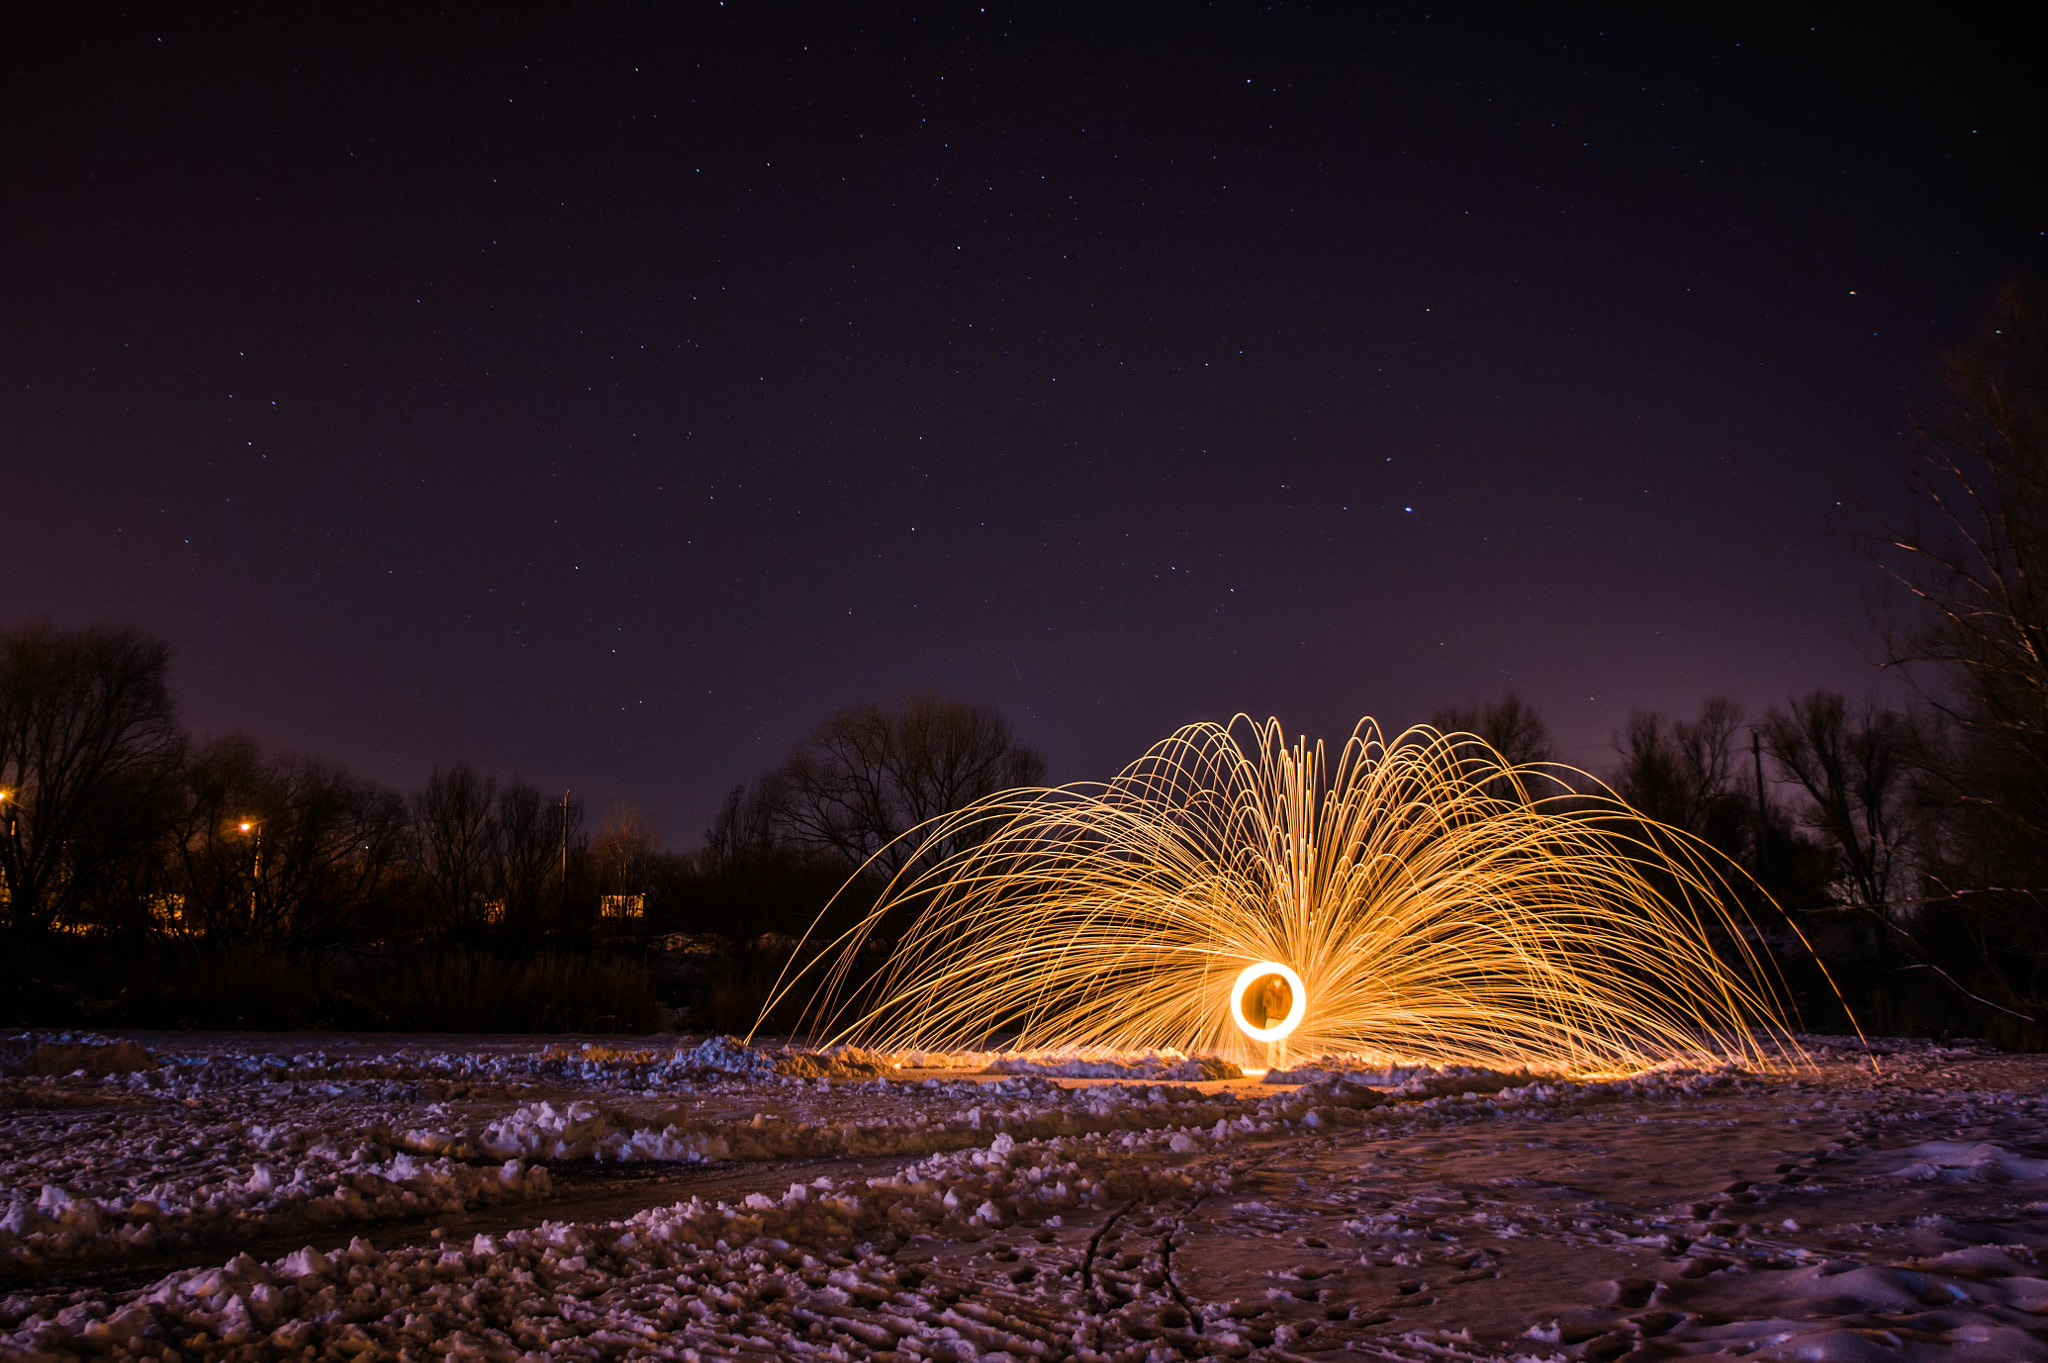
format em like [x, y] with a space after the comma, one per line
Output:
[1295, 1013]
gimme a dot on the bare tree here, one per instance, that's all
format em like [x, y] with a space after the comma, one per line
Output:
[338, 853]
[286, 850]
[743, 826]
[871, 773]
[1975, 568]
[457, 848]
[1979, 571]
[748, 880]
[88, 738]
[1513, 730]
[1857, 770]
[1510, 727]
[531, 847]
[1678, 773]
[623, 849]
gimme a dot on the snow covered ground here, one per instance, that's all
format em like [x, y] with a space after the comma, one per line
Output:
[367, 1197]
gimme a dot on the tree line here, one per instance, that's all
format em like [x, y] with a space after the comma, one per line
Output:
[115, 824]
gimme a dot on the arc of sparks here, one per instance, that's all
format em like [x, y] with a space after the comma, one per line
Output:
[1431, 900]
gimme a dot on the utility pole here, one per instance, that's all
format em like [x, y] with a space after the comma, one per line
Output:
[8, 804]
[1756, 753]
[565, 857]
[254, 829]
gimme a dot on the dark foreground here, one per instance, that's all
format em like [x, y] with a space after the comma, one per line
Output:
[363, 1198]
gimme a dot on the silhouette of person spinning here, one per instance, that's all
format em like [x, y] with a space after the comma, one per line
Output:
[1268, 1002]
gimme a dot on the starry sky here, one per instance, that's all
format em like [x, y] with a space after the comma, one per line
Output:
[604, 395]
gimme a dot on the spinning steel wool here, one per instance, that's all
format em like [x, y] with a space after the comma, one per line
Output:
[1419, 899]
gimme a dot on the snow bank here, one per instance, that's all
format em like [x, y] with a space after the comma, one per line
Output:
[1409, 1081]
[972, 1061]
[836, 1062]
[922, 1118]
[1332, 1067]
[933, 1116]
[718, 1057]
[58, 1224]
[1059, 1063]
[579, 1130]
[407, 1073]
[1071, 1064]
[78, 1053]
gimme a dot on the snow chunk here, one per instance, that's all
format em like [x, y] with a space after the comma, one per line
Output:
[1955, 1162]
[582, 1130]
[725, 1055]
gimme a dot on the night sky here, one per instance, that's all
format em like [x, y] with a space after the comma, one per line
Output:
[606, 396]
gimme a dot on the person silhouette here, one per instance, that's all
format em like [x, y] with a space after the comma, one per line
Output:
[1269, 1004]
[1276, 998]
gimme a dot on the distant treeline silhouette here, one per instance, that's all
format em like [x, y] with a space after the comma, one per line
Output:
[149, 879]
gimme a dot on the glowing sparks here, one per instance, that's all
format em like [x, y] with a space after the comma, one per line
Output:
[1415, 899]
